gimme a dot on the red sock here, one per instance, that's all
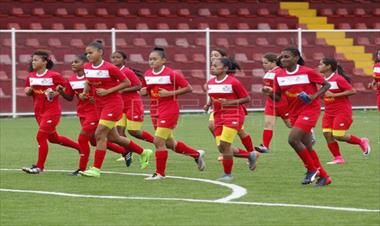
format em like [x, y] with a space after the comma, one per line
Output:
[227, 165]
[267, 137]
[57, 139]
[115, 148]
[317, 163]
[84, 151]
[161, 157]
[133, 147]
[43, 148]
[247, 142]
[307, 159]
[334, 148]
[147, 137]
[182, 148]
[241, 153]
[99, 158]
[354, 140]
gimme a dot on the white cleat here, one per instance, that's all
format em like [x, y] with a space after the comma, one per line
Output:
[200, 160]
[155, 176]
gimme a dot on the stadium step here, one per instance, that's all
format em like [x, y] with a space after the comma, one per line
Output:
[339, 40]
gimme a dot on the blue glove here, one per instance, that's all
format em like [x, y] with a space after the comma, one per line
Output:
[304, 97]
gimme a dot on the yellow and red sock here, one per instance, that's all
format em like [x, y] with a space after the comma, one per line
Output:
[247, 142]
[57, 139]
[305, 156]
[334, 148]
[115, 148]
[133, 147]
[147, 136]
[267, 137]
[241, 153]
[43, 148]
[99, 158]
[161, 157]
[182, 148]
[354, 140]
[317, 163]
[227, 165]
[83, 141]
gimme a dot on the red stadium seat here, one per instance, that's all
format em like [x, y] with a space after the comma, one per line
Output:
[263, 26]
[263, 12]
[161, 42]
[32, 42]
[82, 12]
[77, 43]
[318, 56]
[123, 12]
[200, 41]
[359, 86]
[203, 26]
[101, 26]
[139, 42]
[142, 26]
[305, 42]
[144, 12]
[121, 26]
[361, 26]
[102, 12]
[62, 12]
[282, 26]
[184, 12]
[163, 26]
[376, 12]
[342, 12]
[183, 26]
[222, 42]
[24, 58]
[35, 26]
[120, 42]
[377, 41]
[13, 25]
[283, 13]
[376, 25]
[182, 42]
[204, 12]
[197, 89]
[262, 41]
[241, 41]
[40, 12]
[258, 73]
[67, 73]
[5, 59]
[281, 41]
[241, 57]
[358, 72]
[257, 57]
[137, 58]
[199, 74]
[327, 12]
[360, 12]
[6, 42]
[340, 57]
[224, 12]
[18, 12]
[256, 88]
[320, 42]
[3, 76]
[57, 26]
[180, 58]
[244, 12]
[22, 74]
[197, 57]
[164, 12]
[344, 26]
[222, 26]
[55, 43]
[80, 26]
[68, 58]
[243, 26]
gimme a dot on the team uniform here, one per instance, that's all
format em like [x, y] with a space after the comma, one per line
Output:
[376, 77]
[47, 112]
[133, 112]
[273, 108]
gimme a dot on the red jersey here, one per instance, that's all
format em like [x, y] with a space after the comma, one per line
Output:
[40, 83]
[268, 80]
[105, 76]
[376, 74]
[131, 97]
[164, 79]
[75, 87]
[292, 83]
[229, 88]
[338, 105]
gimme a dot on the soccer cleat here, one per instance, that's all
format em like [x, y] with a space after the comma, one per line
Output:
[262, 149]
[323, 181]
[145, 157]
[128, 158]
[92, 172]
[252, 160]
[226, 178]
[364, 145]
[155, 176]
[310, 177]
[337, 160]
[220, 158]
[200, 160]
[32, 170]
[76, 173]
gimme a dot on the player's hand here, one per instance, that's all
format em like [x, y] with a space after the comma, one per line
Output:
[143, 91]
[28, 91]
[304, 97]
[83, 96]
[267, 90]
[206, 107]
[60, 88]
[164, 93]
[101, 92]
[225, 102]
[329, 94]
[92, 100]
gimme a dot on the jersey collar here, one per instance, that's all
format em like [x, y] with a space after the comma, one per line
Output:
[157, 73]
[122, 67]
[220, 81]
[95, 67]
[293, 72]
[328, 78]
[40, 75]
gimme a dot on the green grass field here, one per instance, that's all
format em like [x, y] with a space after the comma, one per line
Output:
[134, 201]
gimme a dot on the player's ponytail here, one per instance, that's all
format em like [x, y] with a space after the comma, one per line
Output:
[335, 67]
[160, 51]
[45, 55]
[296, 52]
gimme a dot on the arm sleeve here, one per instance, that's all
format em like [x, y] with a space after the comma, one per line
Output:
[135, 81]
[344, 84]
[116, 73]
[59, 80]
[239, 89]
[179, 80]
[69, 90]
[315, 77]
[27, 82]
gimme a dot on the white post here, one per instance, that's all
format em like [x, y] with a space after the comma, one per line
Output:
[208, 44]
[14, 102]
[113, 39]
[300, 40]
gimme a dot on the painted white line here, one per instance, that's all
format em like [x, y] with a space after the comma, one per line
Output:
[220, 201]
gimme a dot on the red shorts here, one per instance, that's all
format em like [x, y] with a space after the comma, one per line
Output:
[135, 113]
[110, 112]
[336, 122]
[305, 120]
[47, 123]
[231, 121]
[89, 123]
[279, 111]
[165, 121]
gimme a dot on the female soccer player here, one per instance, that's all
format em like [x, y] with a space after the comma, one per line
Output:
[376, 77]
[86, 112]
[272, 108]
[163, 85]
[337, 118]
[228, 96]
[299, 84]
[41, 84]
[245, 138]
[105, 81]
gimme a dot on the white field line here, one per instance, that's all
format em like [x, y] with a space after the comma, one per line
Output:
[220, 201]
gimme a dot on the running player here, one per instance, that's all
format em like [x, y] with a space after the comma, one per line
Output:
[272, 108]
[376, 77]
[163, 85]
[41, 84]
[228, 96]
[299, 84]
[337, 118]
[105, 81]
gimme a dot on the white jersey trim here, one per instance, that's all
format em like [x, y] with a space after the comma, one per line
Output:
[44, 73]
[96, 73]
[269, 75]
[157, 73]
[376, 69]
[95, 67]
[334, 85]
[155, 80]
[77, 84]
[293, 72]
[293, 80]
[220, 88]
[41, 81]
